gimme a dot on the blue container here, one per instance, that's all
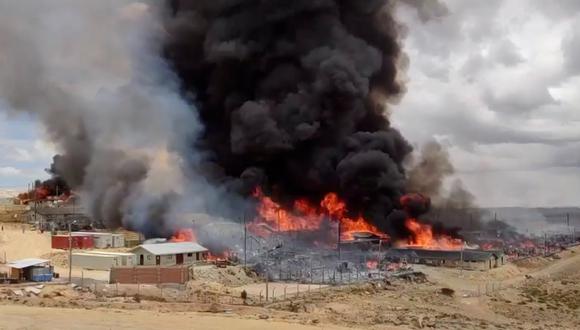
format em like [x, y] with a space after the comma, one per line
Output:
[41, 278]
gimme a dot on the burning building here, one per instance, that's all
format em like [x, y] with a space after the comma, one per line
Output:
[464, 259]
[275, 112]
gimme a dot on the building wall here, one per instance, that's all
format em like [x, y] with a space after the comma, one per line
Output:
[103, 241]
[165, 260]
[78, 242]
[118, 240]
[96, 262]
[469, 265]
[150, 275]
[102, 261]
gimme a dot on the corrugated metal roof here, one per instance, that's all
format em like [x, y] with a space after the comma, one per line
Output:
[23, 263]
[106, 254]
[172, 248]
[93, 233]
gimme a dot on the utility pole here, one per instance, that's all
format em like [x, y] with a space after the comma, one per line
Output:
[69, 252]
[338, 240]
[267, 271]
[35, 206]
[545, 244]
[461, 257]
[245, 240]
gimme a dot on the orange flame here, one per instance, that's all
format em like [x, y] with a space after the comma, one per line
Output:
[372, 264]
[225, 255]
[422, 237]
[304, 216]
[183, 235]
[272, 217]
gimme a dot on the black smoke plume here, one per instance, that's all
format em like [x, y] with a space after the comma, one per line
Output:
[292, 96]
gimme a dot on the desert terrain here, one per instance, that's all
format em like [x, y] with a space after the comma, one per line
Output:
[536, 293]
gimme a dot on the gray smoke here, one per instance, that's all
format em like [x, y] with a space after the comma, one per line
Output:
[452, 206]
[91, 72]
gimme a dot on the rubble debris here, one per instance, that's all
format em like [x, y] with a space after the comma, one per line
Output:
[18, 293]
[33, 290]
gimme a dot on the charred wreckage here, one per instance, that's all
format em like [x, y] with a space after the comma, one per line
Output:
[274, 113]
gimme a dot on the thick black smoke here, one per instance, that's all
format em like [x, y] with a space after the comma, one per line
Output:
[292, 96]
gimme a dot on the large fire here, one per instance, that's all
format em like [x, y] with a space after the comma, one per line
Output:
[422, 236]
[304, 216]
[183, 235]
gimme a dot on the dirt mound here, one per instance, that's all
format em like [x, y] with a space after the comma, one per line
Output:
[59, 259]
[231, 276]
[532, 262]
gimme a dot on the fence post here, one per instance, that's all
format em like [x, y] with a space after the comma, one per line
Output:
[297, 290]
[273, 294]
[285, 292]
[116, 288]
[82, 278]
[260, 296]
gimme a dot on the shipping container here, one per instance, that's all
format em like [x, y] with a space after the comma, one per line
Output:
[98, 260]
[41, 278]
[101, 240]
[78, 242]
[39, 274]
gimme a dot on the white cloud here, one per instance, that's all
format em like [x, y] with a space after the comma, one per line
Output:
[496, 82]
[8, 171]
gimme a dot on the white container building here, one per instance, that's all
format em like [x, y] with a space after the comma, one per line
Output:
[97, 260]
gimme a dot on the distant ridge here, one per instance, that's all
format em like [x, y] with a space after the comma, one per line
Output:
[8, 192]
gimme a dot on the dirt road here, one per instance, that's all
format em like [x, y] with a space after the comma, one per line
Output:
[22, 317]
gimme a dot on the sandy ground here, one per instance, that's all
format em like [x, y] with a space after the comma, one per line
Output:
[535, 294]
[15, 244]
[279, 290]
[21, 317]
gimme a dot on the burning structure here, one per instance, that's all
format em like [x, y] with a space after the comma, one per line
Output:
[270, 111]
[464, 259]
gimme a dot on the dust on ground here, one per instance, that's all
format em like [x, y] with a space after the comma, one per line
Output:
[537, 293]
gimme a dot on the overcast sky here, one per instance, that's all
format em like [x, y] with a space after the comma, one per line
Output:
[496, 82]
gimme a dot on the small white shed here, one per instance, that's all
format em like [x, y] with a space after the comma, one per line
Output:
[168, 254]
